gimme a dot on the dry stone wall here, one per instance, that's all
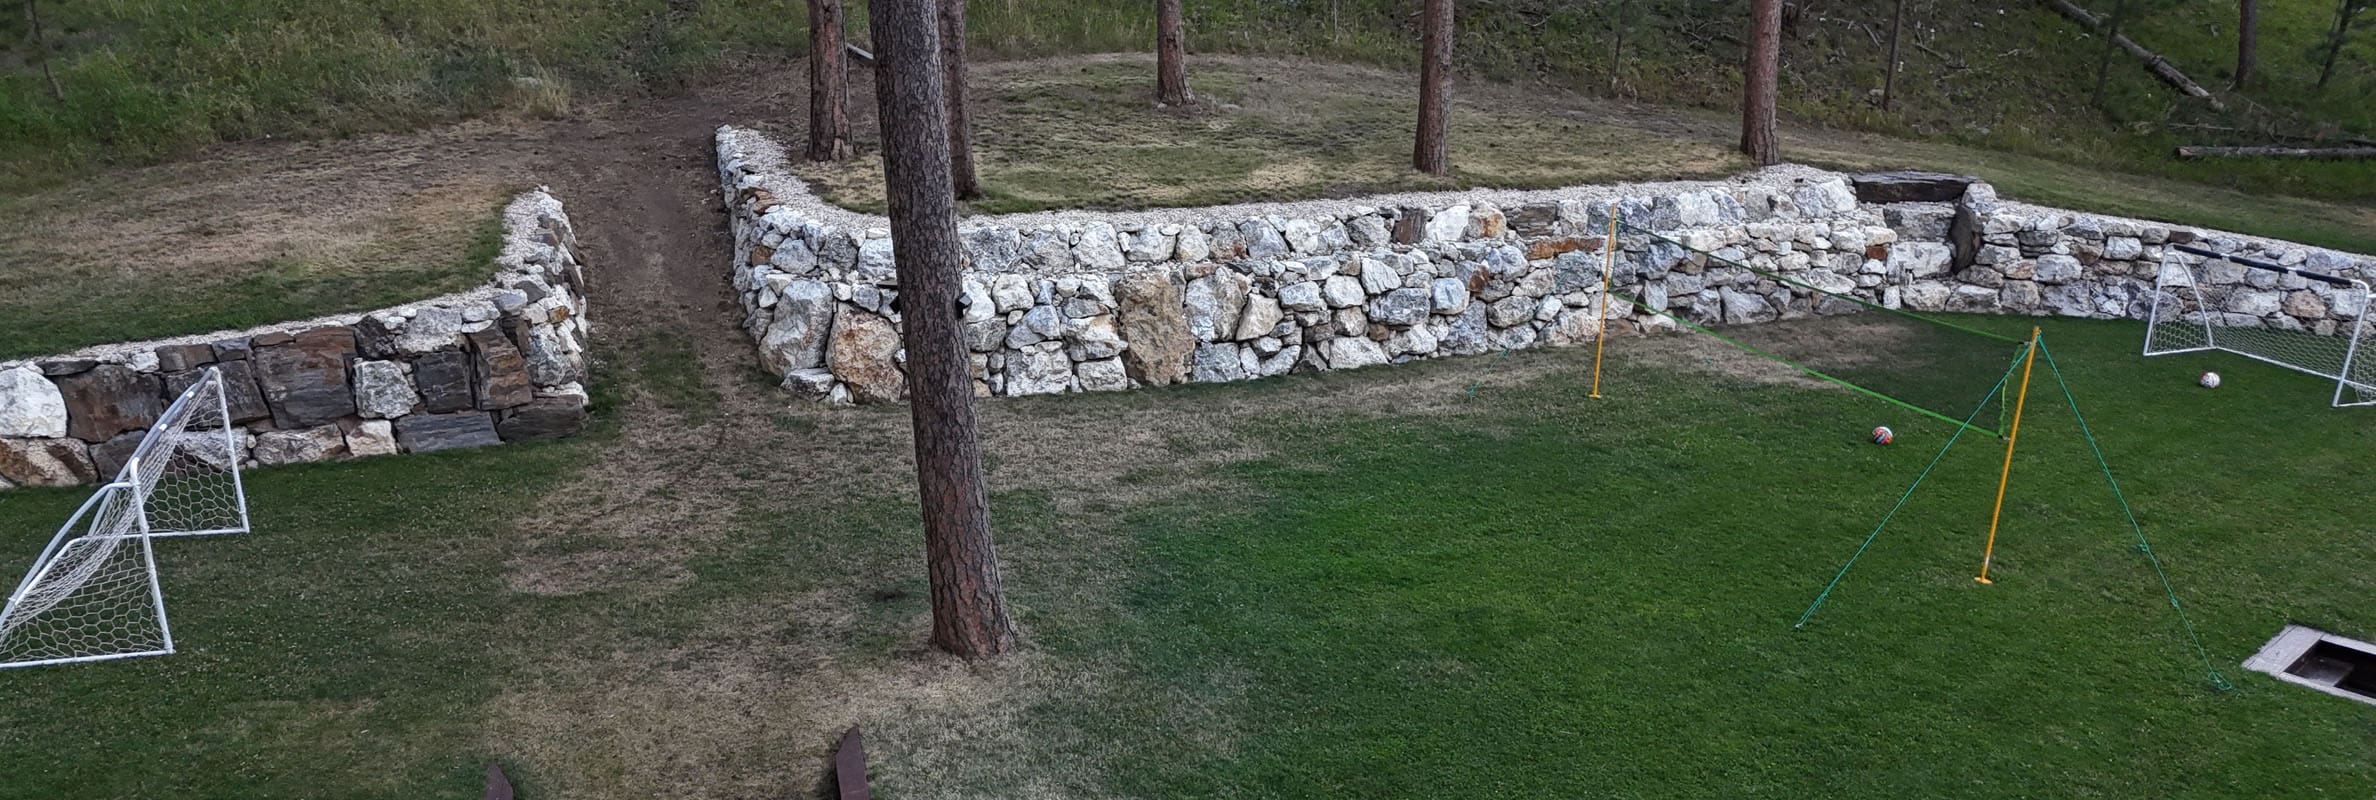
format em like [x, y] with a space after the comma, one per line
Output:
[1070, 302]
[502, 363]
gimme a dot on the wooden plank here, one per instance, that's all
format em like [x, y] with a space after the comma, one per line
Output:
[2338, 153]
[849, 767]
[498, 786]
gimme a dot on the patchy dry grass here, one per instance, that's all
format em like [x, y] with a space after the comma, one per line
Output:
[1081, 132]
[252, 235]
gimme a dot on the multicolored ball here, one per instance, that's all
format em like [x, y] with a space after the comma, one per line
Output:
[1883, 435]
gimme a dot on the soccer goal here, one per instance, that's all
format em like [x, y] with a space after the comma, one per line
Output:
[92, 594]
[2219, 304]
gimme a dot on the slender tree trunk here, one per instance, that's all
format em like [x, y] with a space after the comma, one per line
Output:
[969, 615]
[2343, 14]
[2247, 40]
[1763, 76]
[1428, 153]
[41, 50]
[1897, 28]
[1171, 55]
[2111, 41]
[952, 51]
[1617, 22]
[829, 84]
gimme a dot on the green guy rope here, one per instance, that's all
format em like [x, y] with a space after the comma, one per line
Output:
[1901, 501]
[1780, 278]
[2218, 681]
[1753, 350]
[1472, 387]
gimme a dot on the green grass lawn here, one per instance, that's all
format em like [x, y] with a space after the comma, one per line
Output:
[1408, 590]
[1548, 595]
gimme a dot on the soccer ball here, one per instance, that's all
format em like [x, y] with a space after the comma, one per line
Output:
[2210, 380]
[1883, 435]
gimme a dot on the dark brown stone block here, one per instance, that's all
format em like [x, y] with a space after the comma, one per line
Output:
[443, 377]
[1910, 187]
[500, 371]
[109, 456]
[67, 366]
[305, 379]
[1410, 226]
[543, 418]
[178, 357]
[240, 395]
[428, 433]
[230, 350]
[373, 339]
[109, 399]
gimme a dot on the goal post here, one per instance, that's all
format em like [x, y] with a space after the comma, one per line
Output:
[2216, 305]
[186, 469]
[92, 594]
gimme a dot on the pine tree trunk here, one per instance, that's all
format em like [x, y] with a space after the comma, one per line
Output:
[829, 84]
[1171, 55]
[2247, 40]
[1763, 75]
[2111, 41]
[41, 49]
[1428, 153]
[969, 615]
[952, 51]
[1897, 28]
[2343, 14]
[1617, 46]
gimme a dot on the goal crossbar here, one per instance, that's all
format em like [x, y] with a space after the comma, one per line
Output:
[2187, 317]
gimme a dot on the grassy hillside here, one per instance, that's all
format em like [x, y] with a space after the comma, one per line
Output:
[143, 79]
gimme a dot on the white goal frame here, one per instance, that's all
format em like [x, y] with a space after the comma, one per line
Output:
[175, 460]
[2182, 321]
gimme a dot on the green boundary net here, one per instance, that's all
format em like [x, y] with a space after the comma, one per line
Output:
[1920, 363]
[2128, 514]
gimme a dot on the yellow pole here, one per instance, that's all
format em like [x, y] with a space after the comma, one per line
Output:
[1608, 265]
[2006, 476]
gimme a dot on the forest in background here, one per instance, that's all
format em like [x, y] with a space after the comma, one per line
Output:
[134, 81]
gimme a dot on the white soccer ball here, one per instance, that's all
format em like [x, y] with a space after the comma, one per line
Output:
[2210, 380]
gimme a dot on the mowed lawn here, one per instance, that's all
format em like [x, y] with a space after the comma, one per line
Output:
[1413, 590]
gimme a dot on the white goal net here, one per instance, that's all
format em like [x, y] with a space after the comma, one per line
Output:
[2238, 305]
[92, 594]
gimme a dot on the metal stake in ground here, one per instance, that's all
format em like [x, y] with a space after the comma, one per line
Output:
[2005, 476]
[1608, 268]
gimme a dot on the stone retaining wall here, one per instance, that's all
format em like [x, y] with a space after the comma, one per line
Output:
[1094, 302]
[501, 363]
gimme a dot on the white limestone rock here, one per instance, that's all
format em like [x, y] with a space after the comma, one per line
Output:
[384, 390]
[371, 437]
[30, 406]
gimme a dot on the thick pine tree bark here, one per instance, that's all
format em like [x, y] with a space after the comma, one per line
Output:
[1171, 55]
[969, 616]
[952, 57]
[2247, 40]
[1763, 75]
[829, 84]
[1428, 153]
